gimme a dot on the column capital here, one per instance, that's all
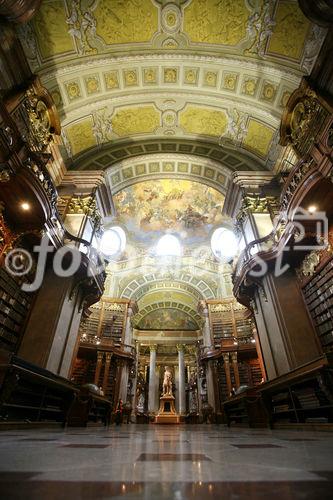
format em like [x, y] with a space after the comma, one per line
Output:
[233, 357]
[108, 356]
[100, 355]
[180, 347]
[153, 348]
[226, 357]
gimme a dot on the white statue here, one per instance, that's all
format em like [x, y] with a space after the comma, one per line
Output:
[167, 382]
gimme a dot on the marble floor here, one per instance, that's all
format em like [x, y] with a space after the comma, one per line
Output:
[166, 462]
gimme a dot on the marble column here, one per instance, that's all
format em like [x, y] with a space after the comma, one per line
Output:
[152, 380]
[210, 384]
[206, 332]
[124, 381]
[128, 329]
[100, 356]
[135, 381]
[108, 356]
[235, 367]
[181, 384]
[226, 360]
[208, 342]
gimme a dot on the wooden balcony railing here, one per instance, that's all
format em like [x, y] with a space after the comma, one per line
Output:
[227, 344]
[104, 343]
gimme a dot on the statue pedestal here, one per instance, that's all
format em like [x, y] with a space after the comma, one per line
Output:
[167, 412]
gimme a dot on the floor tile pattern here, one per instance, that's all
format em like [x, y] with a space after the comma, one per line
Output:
[166, 462]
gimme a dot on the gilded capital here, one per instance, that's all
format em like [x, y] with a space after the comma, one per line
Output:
[234, 357]
[100, 355]
[226, 358]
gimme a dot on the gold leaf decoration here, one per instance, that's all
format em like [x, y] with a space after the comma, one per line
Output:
[126, 21]
[205, 121]
[81, 136]
[258, 138]
[289, 32]
[221, 22]
[52, 30]
[136, 120]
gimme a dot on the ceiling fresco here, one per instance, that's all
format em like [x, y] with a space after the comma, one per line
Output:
[167, 319]
[197, 70]
[150, 209]
[169, 98]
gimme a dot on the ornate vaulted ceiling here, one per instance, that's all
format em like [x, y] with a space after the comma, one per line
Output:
[127, 75]
[160, 94]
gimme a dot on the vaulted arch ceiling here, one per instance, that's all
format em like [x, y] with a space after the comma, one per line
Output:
[159, 300]
[130, 73]
[151, 167]
[167, 316]
[198, 288]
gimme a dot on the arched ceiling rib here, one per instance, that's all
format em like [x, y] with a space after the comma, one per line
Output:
[108, 155]
[196, 287]
[168, 165]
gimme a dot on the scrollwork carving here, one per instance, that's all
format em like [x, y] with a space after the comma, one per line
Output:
[40, 121]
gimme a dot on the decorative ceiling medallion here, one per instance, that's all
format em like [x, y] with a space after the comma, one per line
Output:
[170, 43]
[171, 19]
[169, 118]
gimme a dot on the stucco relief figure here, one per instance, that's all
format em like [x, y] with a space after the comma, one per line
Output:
[167, 382]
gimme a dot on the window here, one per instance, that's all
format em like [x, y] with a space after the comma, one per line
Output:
[168, 245]
[224, 244]
[113, 241]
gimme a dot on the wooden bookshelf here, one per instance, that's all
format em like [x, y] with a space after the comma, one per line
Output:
[303, 396]
[318, 296]
[14, 308]
[246, 409]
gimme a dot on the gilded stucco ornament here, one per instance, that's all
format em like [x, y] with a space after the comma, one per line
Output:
[40, 121]
[259, 28]
[312, 47]
[102, 127]
[171, 19]
[256, 204]
[301, 117]
[85, 205]
[4, 173]
[236, 129]
[310, 263]
[82, 26]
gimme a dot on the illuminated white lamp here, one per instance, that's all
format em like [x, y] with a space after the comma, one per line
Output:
[312, 209]
[168, 245]
[224, 244]
[25, 206]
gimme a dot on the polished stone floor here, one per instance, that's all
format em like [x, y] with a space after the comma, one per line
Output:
[166, 462]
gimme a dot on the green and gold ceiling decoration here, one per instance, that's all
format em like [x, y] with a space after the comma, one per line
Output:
[138, 70]
[65, 29]
[181, 91]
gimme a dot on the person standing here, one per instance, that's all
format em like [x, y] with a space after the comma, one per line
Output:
[119, 412]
